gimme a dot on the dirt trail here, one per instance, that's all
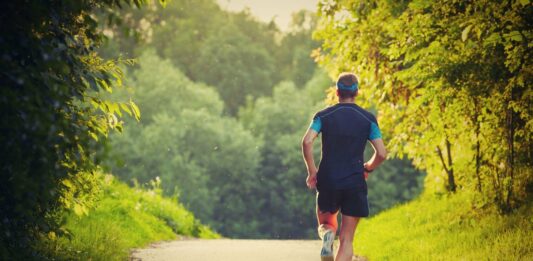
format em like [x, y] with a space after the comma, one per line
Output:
[231, 249]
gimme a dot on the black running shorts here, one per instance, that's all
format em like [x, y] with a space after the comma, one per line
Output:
[351, 202]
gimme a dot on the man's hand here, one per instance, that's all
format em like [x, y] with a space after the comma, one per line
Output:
[311, 178]
[311, 181]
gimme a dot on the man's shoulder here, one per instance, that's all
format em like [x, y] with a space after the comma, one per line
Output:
[366, 113]
[328, 110]
[325, 111]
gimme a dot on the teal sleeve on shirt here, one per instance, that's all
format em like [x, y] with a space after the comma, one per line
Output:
[375, 133]
[316, 125]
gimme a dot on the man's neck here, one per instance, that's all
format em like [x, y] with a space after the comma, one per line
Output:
[349, 100]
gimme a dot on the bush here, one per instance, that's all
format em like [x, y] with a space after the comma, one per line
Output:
[125, 218]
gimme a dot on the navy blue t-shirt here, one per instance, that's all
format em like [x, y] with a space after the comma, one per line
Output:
[345, 129]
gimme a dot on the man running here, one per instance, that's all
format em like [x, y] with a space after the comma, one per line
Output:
[340, 180]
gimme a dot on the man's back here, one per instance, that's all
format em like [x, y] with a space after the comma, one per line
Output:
[345, 129]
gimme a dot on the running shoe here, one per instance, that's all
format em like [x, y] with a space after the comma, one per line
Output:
[327, 246]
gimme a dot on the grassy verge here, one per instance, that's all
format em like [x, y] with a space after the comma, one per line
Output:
[126, 218]
[446, 228]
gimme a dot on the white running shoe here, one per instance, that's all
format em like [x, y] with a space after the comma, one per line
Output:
[327, 246]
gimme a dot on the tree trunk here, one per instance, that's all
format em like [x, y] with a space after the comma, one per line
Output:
[510, 156]
[448, 167]
[451, 177]
[478, 146]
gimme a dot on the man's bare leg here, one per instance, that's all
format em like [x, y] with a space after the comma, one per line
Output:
[348, 225]
[327, 229]
[326, 221]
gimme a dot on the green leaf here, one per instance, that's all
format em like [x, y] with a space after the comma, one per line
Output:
[93, 135]
[95, 103]
[136, 111]
[67, 183]
[115, 108]
[118, 79]
[464, 35]
[105, 86]
[515, 36]
[494, 38]
[125, 107]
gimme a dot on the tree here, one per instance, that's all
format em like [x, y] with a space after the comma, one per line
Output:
[228, 175]
[233, 52]
[52, 116]
[451, 81]
[184, 139]
[293, 56]
[280, 121]
[236, 65]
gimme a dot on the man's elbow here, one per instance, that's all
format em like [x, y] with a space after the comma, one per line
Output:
[382, 155]
[307, 143]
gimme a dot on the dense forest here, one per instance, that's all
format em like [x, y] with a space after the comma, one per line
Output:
[224, 106]
[207, 108]
[209, 102]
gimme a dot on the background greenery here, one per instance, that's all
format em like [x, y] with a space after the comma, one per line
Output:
[452, 83]
[225, 100]
[124, 218]
[52, 116]
[446, 227]
[223, 116]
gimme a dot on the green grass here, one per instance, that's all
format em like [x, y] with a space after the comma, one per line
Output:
[446, 228]
[126, 218]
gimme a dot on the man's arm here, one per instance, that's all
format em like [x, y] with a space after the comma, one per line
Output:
[307, 150]
[380, 154]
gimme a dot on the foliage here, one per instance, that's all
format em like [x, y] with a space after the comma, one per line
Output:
[234, 63]
[446, 228]
[233, 52]
[204, 156]
[52, 115]
[61, 100]
[229, 176]
[394, 182]
[206, 159]
[293, 56]
[451, 81]
[124, 218]
[184, 128]
[317, 86]
[280, 122]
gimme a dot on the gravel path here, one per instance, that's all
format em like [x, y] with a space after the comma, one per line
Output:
[231, 249]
